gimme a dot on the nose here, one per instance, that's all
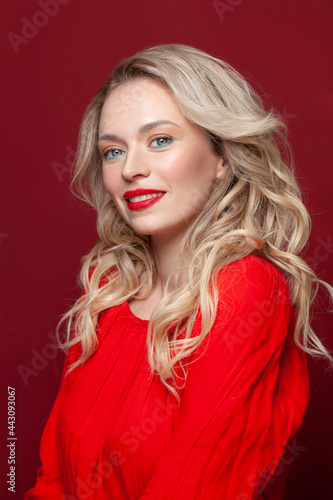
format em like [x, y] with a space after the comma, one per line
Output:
[135, 164]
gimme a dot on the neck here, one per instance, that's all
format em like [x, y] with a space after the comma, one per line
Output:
[168, 258]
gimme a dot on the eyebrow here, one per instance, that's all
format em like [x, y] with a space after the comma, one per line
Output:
[142, 130]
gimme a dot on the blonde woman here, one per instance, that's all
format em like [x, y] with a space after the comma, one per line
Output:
[185, 375]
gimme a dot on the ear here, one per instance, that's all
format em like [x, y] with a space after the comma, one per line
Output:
[222, 166]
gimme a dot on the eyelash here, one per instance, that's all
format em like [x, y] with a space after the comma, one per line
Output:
[108, 159]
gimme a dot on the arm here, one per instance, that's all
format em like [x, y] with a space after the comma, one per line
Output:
[245, 394]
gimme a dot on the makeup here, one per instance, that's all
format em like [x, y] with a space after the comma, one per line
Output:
[138, 199]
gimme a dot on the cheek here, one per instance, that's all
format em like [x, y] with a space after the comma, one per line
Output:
[113, 186]
[110, 183]
[197, 183]
[195, 174]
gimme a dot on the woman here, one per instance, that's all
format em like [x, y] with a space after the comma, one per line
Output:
[185, 375]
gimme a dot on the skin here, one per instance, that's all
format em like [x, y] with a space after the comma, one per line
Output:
[177, 159]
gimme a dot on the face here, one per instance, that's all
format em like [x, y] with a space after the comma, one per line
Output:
[158, 167]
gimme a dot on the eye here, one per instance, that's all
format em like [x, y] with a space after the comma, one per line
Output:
[111, 154]
[114, 153]
[162, 141]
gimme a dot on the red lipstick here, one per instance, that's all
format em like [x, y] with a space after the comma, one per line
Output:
[139, 205]
[139, 192]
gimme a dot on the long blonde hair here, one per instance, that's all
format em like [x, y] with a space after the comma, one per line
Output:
[257, 209]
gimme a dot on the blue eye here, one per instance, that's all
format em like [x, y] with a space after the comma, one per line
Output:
[113, 154]
[112, 157]
[163, 138]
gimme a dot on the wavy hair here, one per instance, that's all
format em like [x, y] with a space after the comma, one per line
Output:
[257, 209]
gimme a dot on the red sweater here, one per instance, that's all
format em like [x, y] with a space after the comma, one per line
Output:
[116, 433]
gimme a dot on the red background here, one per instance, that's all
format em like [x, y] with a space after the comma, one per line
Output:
[282, 47]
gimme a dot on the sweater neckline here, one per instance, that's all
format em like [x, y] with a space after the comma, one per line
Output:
[131, 316]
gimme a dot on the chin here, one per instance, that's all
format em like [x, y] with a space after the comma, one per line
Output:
[146, 231]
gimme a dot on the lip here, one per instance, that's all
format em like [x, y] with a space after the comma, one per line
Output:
[139, 192]
[140, 205]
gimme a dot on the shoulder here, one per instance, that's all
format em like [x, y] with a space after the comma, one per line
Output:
[252, 276]
[254, 304]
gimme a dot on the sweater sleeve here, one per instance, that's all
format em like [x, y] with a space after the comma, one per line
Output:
[245, 395]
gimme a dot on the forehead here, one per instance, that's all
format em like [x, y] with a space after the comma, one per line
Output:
[139, 97]
[138, 87]
[139, 102]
